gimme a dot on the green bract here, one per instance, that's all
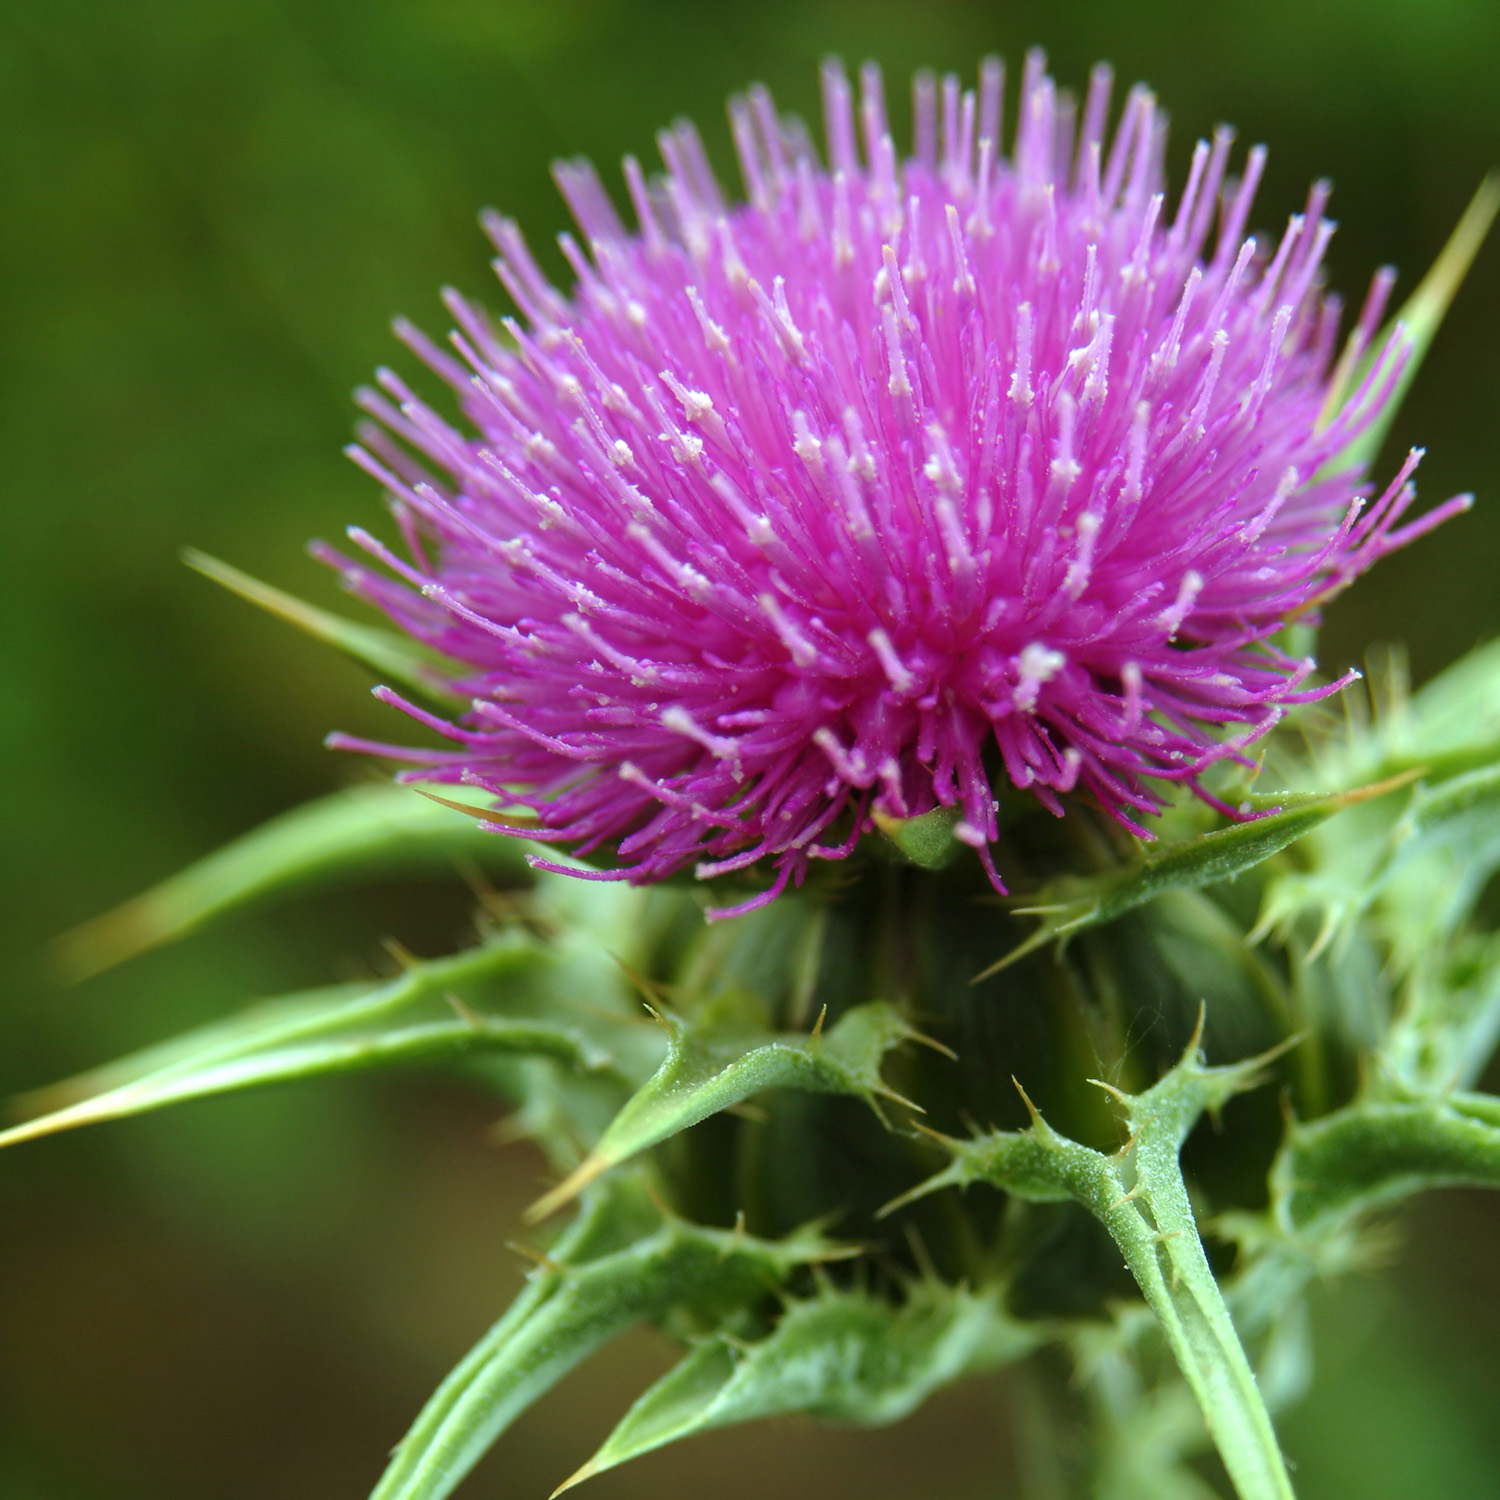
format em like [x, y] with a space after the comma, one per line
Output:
[794, 1138]
[803, 1141]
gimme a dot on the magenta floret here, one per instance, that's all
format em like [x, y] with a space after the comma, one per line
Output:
[900, 475]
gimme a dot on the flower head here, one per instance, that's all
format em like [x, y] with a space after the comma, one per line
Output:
[898, 479]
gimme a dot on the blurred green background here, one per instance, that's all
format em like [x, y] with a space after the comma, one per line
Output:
[209, 211]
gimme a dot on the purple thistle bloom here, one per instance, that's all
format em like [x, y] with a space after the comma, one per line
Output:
[897, 477]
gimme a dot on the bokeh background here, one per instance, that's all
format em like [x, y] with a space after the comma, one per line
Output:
[207, 213]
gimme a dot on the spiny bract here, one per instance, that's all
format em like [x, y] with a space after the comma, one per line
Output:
[898, 477]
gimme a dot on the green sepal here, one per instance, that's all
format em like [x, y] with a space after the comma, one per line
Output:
[1422, 870]
[1449, 1022]
[721, 1057]
[392, 656]
[927, 840]
[433, 1011]
[360, 833]
[1073, 903]
[585, 1292]
[843, 1356]
[1332, 1171]
[1140, 1198]
[1441, 852]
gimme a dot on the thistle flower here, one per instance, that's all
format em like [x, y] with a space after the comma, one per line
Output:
[897, 481]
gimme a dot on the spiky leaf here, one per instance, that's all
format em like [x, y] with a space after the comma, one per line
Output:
[1155, 1229]
[393, 657]
[721, 1057]
[1071, 904]
[360, 833]
[433, 1011]
[845, 1356]
[1369, 1155]
[577, 1301]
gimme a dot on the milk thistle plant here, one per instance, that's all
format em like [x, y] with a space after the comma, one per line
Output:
[938, 913]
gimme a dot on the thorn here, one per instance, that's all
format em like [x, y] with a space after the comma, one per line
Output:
[1326, 933]
[923, 1040]
[1038, 939]
[470, 1017]
[737, 1234]
[569, 1188]
[1193, 1052]
[660, 1019]
[886, 1092]
[1129, 1197]
[520, 823]
[1119, 1095]
[920, 1253]
[1285, 1045]
[658, 1202]
[817, 1031]
[1131, 1141]
[602, 1012]
[576, 1477]
[1036, 1115]
[1262, 929]
[649, 988]
[1380, 788]
[937, 1135]
[406, 960]
[851, 1251]
[901, 1200]
[535, 1256]
[492, 901]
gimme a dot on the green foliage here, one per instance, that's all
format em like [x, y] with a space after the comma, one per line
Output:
[770, 1083]
[1139, 1196]
[353, 835]
[393, 657]
[1331, 1171]
[1073, 903]
[1421, 316]
[844, 1356]
[722, 1057]
[600, 1279]
[421, 1016]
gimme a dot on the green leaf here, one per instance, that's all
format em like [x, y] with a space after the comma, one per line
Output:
[1449, 1022]
[428, 1013]
[1153, 1225]
[393, 657]
[1366, 1156]
[363, 831]
[1074, 903]
[1451, 724]
[1441, 853]
[1421, 316]
[575, 1302]
[720, 1058]
[843, 1356]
